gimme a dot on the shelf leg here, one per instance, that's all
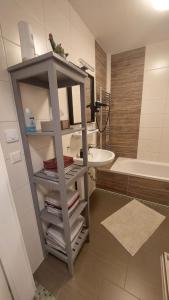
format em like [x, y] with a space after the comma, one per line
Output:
[85, 151]
[54, 101]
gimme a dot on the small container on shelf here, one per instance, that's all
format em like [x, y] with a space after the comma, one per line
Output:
[48, 125]
[29, 121]
[65, 124]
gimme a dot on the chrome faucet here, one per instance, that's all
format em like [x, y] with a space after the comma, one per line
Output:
[91, 146]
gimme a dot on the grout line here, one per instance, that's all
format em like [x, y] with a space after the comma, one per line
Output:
[139, 199]
[12, 42]
[115, 193]
[125, 280]
[153, 203]
[123, 289]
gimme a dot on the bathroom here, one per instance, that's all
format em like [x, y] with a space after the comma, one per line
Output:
[126, 152]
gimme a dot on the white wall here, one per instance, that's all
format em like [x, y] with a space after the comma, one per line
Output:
[154, 122]
[12, 248]
[58, 17]
[4, 290]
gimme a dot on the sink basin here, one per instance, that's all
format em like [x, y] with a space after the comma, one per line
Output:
[97, 158]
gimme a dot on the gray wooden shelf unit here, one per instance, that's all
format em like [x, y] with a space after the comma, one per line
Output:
[52, 72]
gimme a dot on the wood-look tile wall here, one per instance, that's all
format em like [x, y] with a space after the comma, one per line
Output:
[126, 87]
[141, 188]
[101, 78]
[101, 68]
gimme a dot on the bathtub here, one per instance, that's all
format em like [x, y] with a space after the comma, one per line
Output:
[141, 168]
[140, 179]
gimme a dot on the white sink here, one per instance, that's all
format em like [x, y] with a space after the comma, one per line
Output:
[97, 158]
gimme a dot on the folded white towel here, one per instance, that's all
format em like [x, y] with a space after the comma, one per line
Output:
[58, 212]
[58, 247]
[54, 197]
[58, 235]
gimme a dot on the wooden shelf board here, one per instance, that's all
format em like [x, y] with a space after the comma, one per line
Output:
[51, 133]
[70, 177]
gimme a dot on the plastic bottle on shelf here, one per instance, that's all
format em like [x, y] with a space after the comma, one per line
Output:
[26, 40]
[29, 121]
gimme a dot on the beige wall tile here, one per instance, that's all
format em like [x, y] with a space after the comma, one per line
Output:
[20, 170]
[155, 84]
[153, 133]
[148, 145]
[146, 155]
[165, 122]
[13, 53]
[81, 49]
[26, 215]
[40, 142]
[58, 24]
[3, 63]
[8, 110]
[163, 157]
[155, 106]
[151, 120]
[10, 14]
[33, 8]
[38, 156]
[157, 55]
[154, 119]
[166, 106]
[9, 21]
[36, 99]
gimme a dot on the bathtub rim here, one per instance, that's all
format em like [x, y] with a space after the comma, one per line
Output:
[151, 177]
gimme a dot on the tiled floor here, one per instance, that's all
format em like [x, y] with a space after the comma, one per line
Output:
[104, 270]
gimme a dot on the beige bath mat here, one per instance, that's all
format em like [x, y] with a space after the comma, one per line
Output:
[133, 224]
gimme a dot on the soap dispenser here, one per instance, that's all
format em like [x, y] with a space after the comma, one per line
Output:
[29, 121]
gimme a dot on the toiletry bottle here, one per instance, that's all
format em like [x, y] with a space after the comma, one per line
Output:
[29, 121]
[26, 40]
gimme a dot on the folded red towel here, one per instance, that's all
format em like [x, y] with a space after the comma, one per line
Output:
[52, 163]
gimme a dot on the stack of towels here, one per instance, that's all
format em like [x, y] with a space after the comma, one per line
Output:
[51, 169]
[55, 236]
[53, 204]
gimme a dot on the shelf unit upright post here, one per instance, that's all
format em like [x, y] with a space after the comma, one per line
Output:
[52, 72]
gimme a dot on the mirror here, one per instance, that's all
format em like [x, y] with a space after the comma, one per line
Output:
[74, 103]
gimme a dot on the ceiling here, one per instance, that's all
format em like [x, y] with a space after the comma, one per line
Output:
[120, 25]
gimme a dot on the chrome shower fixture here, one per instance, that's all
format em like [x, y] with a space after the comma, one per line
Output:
[97, 105]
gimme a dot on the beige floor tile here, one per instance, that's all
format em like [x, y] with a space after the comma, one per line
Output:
[109, 291]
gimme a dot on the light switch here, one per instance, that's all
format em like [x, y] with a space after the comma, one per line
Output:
[11, 135]
[15, 157]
